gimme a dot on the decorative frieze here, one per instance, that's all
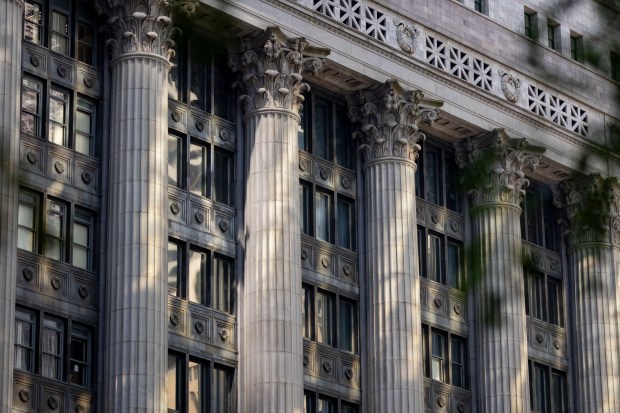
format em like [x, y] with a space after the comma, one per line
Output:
[355, 14]
[495, 166]
[272, 65]
[557, 109]
[390, 117]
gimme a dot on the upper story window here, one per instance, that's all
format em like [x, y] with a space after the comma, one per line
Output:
[194, 385]
[330, 319]
[481, 6]
[325, 131]
[553, 35]
[53, 347]
[58, 105]
[320, 403]
[548, 389]
[576, 47]
[530, 23]
[540, 219]
[65, 26]
[55, 228]
[615, 65]
[440, 258]
[200, 276]
[544, 297]
[437, 177]
[200, 77]
[445, 357]
[203, 169]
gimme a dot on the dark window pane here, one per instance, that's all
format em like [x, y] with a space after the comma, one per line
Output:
[196, 387]
[307, 308]
[344, 143]
[224, 98]
[174, 262]
[347, 326]
[432, 176]
[322, 129]
[435, 259]
[302, 134]
[223, 177]
[346, 224]
[222, 390]
[175, 164]
[554, 293]
[325, 318]
[86, 43]
[200, 78]
[323, 216]
[422, 253]
[305, 201]
[438, 356]
[222, 284]
[454, 265]
[173, 382]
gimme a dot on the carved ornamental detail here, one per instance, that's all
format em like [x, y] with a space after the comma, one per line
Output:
[142, 26]
[407, 36]
[271, 67]
[494, 166]
[390, 118]
[592, 206]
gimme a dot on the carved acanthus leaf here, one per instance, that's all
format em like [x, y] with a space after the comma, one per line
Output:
[592, 206]
[142, 26]
[390, 117]
[271, 67]
[494, 166]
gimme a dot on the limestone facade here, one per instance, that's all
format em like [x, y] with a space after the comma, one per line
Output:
[308, 206]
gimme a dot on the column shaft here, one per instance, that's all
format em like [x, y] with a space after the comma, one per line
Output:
[11, 12]
[502, 340]
[271, 346]
[395, 381]
[136, 330]
[596, 324]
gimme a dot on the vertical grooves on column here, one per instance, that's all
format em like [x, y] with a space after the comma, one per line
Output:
[10, 85]
[271, 347]
[136, 281]
[596, 323]
[502, 345]
[394, 323]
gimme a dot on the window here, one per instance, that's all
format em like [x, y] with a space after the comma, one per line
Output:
[200, 276]
[328, 219]
[444, 357]
[548, 389]
[530, 23]
[615, 65]
[41, 347]
[329, 319]
[200, 77]
[69, 230]
[480, 6]
[440, 258]
[319, 403]
[539, 219]
[437, 179]
[553, 35]
[576, 47]
[65, 26]
[80, 135]
[194, 385]
[544, 297]
[325, 131]
[197, 176]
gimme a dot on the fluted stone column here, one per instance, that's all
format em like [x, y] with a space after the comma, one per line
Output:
[270, 325]
[136, 336]
[389, 137]
[592, 205]
[494, 175]
[11, 20]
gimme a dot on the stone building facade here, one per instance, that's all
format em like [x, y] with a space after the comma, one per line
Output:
[317, 206]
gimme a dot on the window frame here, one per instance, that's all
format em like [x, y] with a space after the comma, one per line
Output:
[542, 399]
[446, 363]
[576, 47]
[446, 174]
[614, 58]
[312, 398]
[538, 298]
[445, 267]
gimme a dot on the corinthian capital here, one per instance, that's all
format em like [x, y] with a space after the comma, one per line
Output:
[142, 26]
[592, 206]
[494, 166]
[390, 118]
[271, 66]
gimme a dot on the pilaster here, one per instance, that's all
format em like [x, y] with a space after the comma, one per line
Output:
[494, 174]
[389, 136]
[136, 337]
[11, 12]
[270, 324]
[592, 205]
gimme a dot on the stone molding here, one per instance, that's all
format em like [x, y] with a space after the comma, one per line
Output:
[494, 166]
[142, 26]
[271, 66]
[390, 118]
[592, 207]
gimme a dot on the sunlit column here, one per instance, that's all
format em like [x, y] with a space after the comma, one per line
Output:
[592, 205]
[389, 117]
[11, 12]
[270, 324]
[136, 334]
[494, 175]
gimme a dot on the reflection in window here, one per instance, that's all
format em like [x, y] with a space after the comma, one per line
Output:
[27, 221]
[222, 283]
[175, 163]
[52, 348]
[24, 340]
[58, 116]
[55, 233]
[198, 276]
[82, 241]
[325, 318]
[198, 169]
[31, 107]
[174, 261]
[223, 177]
[85, 128]
[323, 216]
[33, 26]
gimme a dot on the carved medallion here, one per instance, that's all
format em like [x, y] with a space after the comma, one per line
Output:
[327, 366]
[28, 274]
[83, 291]
[199, 325]
[406, 36]
[56, 283]
[89, 82]
[87, 177]
[24, 395]
[199, 216]
[61, 70]
[511, 86]
[200, 126]
[224, 334]
[32, 157]
[348, 373]
[53, 402]
[34, 60]
[174, 319]
[59, 166]
[224, 226]
[175, 208]
[176, 116]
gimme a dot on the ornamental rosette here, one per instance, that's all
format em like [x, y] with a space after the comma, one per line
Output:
[494, 166]
[271, 67]
[592, 206]
[142, 26]
[390, 117]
